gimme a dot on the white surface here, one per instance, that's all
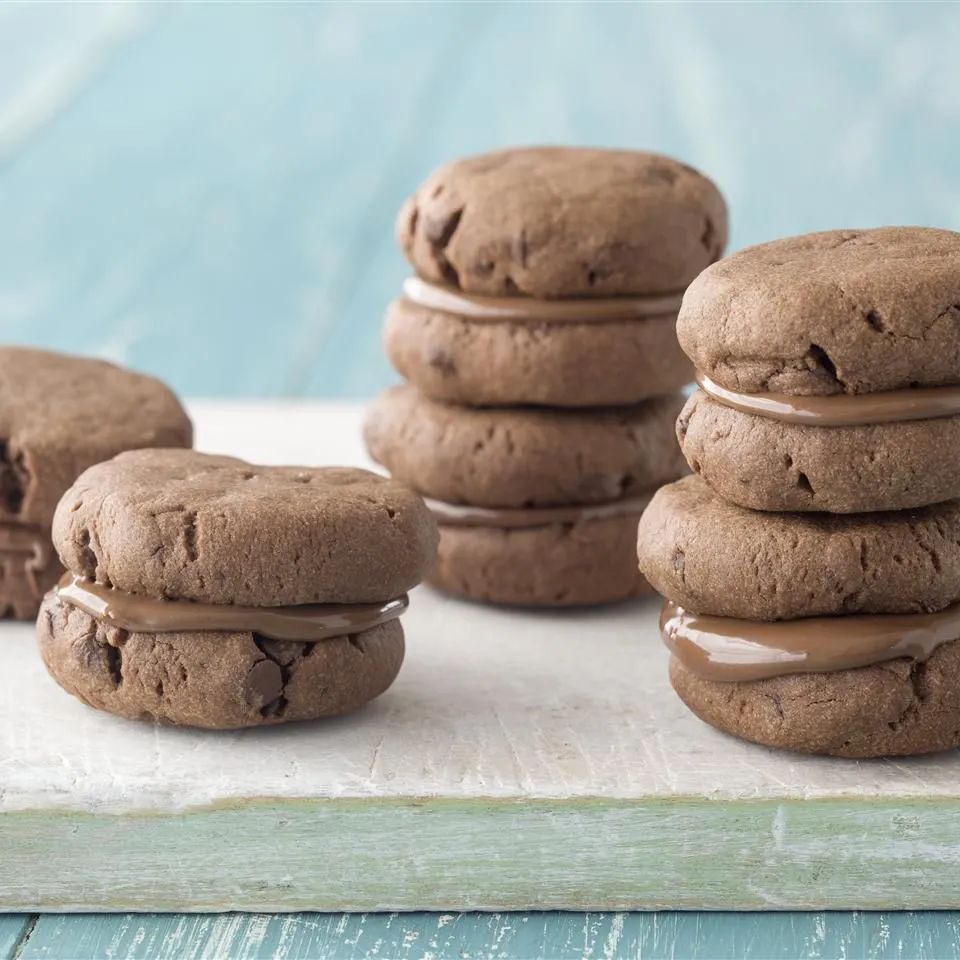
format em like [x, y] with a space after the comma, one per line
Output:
[489, 703]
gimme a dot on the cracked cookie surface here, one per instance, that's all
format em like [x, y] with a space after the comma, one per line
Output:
[845, 311]
[178, 524]
[565, 364]
[517, 457]
[212, 679]
[563, 222]
[713, 557]
[768, 465]
[901, 707]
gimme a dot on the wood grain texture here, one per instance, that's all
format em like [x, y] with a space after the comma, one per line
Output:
[13, 931]
[559, 936]
[522, 760]
[439, 854]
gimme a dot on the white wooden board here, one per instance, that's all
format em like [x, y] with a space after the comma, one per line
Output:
[521, 760]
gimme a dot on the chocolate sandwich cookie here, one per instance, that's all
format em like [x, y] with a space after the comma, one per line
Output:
[208, 592]
[535, 506]
[835, 634]
[58, 415]
[551, 276]
[829, 371]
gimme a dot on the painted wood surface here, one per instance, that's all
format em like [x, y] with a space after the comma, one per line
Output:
[522, 760]
[13, 930]
[559, 936]
[207, 191]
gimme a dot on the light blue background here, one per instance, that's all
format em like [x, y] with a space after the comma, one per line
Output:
[207, 191]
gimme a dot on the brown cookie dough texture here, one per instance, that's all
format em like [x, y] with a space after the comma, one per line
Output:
[563, 222]
[58, 415]
[211, 679]
[769, 465]
[714, 557]
[901, 707]
[505, 363]
[559, 565]
[523, 457]
[184, 525]
[188, 526]
[61, 414]
[847, 311]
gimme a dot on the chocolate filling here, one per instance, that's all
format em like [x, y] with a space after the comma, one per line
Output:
[570, 310]
[304, 623]
[841, 410]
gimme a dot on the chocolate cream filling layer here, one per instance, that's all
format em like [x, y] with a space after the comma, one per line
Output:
[728, 649]
[841, 410]
[26, 543]
[25, 554]
[529, 309]
[510, 518]
[304, 623]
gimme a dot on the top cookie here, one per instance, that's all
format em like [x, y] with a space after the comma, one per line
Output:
[847, 311]
[183, 525]
[59, 414]
[563, 222]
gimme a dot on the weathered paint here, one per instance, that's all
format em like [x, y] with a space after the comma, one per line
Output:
[430, 853]
[504, 936]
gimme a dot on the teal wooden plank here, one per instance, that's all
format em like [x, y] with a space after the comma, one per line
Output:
[506, 936]
[497, 854]
[13, 929]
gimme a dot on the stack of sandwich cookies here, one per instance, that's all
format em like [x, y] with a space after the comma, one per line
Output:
[204, 591]
[538, 341]
[811, 571]
[59, 415]
[535, 506]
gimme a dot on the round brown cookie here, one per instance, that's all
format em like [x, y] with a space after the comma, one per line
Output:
[58, 415]
[563, 222]
[505, 363]
[213, 679]
[61, 414]
[559, 565]
[769, 465]
[847, 311]
[896, 708]
[183, 525]
[523, 457]
[713, 557]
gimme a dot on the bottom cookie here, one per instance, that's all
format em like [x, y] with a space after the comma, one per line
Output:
[588, 562]
[896, 708]
[215, 680]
